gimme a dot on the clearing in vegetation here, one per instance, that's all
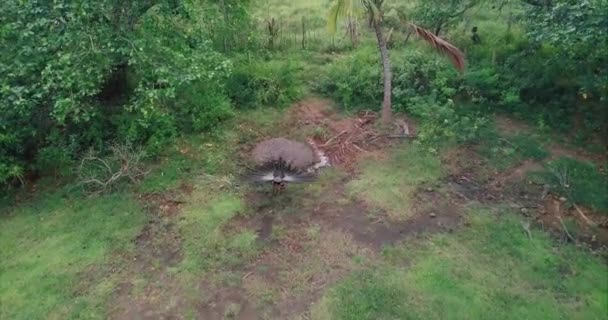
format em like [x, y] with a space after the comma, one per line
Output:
[484, 197]
[379, 236]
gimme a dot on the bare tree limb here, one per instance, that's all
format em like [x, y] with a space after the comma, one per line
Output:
[566, 229]
[580, 212]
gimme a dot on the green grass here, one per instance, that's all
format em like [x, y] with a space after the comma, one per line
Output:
[505, 152]
[48, 245]
[206, 244]
[389, 184]
[491, 270]
[580, 182]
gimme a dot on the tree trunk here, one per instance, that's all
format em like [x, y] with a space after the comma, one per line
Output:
[387, 75]
[303, 33]
[438, 27]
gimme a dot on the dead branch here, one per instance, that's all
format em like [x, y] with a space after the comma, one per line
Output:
[566, 229]
[587, 220]
[526, 226]
[334, 138]
[455, 55]
[99, 174]
[358, 148]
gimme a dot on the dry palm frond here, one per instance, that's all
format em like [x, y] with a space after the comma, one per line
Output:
[455, 55]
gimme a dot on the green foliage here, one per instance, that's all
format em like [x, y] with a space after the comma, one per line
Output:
[505, 152]
[264, 83]
[81, 73]
[438, 14]
[419, 72]
[525, 65]
[354, 81]
[579, 40]
[580, 182]
[442, 124]
[489, 270]
[423, 86]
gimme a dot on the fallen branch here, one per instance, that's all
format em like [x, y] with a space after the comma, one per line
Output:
[526, 227]
[587, 220]
[358, 148]
[334, 138]
[566, 229]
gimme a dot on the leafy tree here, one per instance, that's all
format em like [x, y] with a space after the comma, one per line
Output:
[79, 73]
[581, 39]
[374, 12]
[437, 14]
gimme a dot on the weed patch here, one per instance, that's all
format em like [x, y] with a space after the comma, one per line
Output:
[581, 182]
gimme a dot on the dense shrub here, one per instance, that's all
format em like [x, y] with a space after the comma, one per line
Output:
[553, 76]
[79, 73]
[444, 123]
[355, 81]
[263, 83]
[422, 73]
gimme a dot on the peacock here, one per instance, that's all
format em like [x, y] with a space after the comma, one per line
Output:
[282, 161]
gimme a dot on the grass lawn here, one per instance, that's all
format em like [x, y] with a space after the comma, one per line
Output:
[490, 270]
[50, 249]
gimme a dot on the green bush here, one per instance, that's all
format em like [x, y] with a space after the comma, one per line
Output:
[81, 73]
[263, 83]
[554, 77]
[421, 72]
[444, 123]
[580, 182]
[354, 81]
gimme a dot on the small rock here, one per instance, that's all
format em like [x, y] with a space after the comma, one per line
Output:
[523, 210]
[432, 215]
[562, 199]
[429, 189]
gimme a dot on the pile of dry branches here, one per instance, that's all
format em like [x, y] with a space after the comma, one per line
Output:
[359, 138]
[98, 174]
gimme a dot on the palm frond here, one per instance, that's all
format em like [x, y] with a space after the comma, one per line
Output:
[453, 53]
[339, 9]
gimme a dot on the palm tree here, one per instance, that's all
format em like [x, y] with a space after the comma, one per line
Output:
[374, 13]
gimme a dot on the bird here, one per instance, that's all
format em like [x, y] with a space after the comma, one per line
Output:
[281, 161]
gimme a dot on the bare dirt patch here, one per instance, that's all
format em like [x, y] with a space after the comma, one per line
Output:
[306, 251]
[166, 203]
[226, 303]
[158, 247]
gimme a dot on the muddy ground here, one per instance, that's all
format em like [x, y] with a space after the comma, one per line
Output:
[309, 240]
